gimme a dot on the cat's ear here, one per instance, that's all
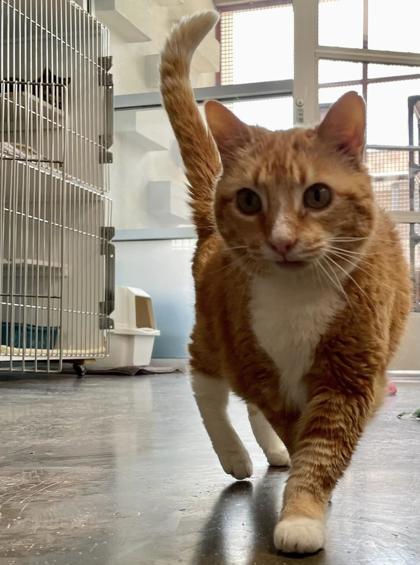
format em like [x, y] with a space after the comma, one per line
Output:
[228, 131]
[344, 126]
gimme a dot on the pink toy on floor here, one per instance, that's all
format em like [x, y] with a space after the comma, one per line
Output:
[392, 389]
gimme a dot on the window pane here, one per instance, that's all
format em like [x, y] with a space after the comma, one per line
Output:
[271, 113]
[257, 44]
[328, 96]
[341, 23]
[338, 71]
[387, 111]
[394, 26]
[375, 71]
[389, 172]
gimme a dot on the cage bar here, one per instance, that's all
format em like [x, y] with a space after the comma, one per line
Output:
[54, 184]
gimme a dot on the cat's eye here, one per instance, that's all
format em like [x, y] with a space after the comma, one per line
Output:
[317, 196]
[248, 201]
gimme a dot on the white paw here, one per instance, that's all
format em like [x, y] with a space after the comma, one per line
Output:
[237, 463]
[299, 535]
[278, 457]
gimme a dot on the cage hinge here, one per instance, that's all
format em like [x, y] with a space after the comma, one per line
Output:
[106, 307]
[107, 233]
[105, 323]
[105, 78]
[105, 62]
[105, 157]
[106, 140]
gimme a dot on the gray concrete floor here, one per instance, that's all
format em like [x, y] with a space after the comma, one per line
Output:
[117, 470]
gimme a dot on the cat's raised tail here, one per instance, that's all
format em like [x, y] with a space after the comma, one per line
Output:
[198, 150]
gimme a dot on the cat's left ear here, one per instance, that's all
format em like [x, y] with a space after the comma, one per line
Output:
[344, 126]
[228, 131]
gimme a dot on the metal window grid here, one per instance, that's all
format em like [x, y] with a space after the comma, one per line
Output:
[226, 33]
[56, 258]
[397, 186]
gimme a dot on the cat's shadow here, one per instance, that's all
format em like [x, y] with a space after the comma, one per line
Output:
[240, 527]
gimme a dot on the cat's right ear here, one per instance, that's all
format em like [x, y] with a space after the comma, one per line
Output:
[344, 126]
[227, 130]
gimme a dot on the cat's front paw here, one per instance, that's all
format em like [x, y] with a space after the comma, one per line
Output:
[237, 463]
[299, 535]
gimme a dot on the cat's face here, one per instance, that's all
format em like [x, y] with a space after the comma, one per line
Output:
[296, 199]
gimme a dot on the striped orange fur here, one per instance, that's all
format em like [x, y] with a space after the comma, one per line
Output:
[300, 303]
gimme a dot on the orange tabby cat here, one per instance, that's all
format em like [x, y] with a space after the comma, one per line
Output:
[302, 291]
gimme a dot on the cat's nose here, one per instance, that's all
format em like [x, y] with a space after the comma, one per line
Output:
[283, 246]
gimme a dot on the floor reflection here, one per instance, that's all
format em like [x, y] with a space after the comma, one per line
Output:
[216, 544]
[240, 528]
[265, 510]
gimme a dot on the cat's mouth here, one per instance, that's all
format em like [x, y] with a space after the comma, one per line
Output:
[291, 265]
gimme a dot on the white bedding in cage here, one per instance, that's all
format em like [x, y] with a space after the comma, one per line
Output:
[25, 109]
[22, 153]
[13, 151]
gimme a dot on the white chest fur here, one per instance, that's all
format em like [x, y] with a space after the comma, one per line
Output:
[288, 317]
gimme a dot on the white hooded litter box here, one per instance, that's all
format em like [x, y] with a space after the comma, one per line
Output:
[131, 341]
[130, 348]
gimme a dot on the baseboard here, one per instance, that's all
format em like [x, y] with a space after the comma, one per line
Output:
[406, 359]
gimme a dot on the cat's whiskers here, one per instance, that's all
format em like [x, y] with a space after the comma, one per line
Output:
[226, 248]
[363, 255]
[368, 271]
[350, 252]
[235, 262]
[346, 239]
[315, 267]
[328, 270]
[334, 262]
[353, 261]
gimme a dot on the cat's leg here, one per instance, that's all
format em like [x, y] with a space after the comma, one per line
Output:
[274, 449]
[212, 397]
[328, 433]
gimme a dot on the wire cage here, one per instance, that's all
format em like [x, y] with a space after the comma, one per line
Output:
[56, 259]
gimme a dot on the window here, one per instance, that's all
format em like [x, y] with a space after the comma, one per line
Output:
[379, 25]
[257, 44]
[386, 89]
[388, 25]
[387, 114]
[341, 23]
[393, 25]
[271, 113]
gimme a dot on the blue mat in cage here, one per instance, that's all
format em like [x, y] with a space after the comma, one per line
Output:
[37, 337]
